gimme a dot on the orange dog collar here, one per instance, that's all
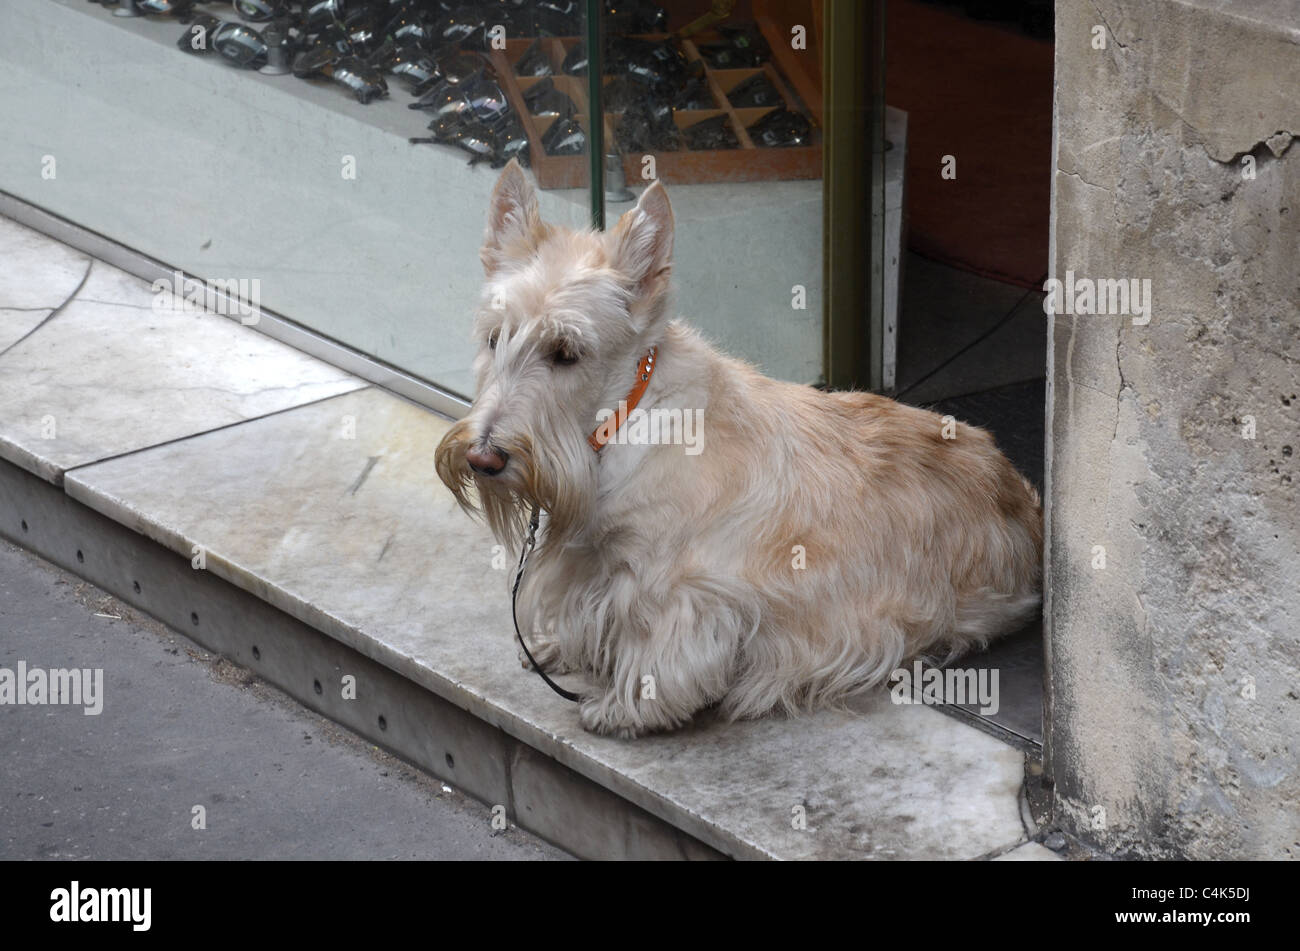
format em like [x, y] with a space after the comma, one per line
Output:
[606, 430]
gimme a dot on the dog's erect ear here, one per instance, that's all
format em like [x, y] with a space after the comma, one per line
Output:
[643, 242]
[514, 228]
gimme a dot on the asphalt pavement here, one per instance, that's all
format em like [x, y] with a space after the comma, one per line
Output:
[192, 757]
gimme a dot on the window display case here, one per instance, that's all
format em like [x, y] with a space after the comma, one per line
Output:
[713, 109]
[339, 154]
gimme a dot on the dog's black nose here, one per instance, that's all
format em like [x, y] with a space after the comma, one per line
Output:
[487, 462]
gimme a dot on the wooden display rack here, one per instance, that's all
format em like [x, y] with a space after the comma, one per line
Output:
[686, 166]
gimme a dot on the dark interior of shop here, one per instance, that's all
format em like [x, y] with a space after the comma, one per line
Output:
[976, 81]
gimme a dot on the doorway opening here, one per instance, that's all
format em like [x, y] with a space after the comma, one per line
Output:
[975, 79]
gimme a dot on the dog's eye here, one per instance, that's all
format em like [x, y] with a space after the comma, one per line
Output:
[492, 338]
[564, 357]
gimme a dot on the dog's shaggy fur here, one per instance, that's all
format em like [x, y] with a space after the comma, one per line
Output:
[815, 543]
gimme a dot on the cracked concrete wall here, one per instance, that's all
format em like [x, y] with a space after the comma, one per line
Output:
[1174, 663]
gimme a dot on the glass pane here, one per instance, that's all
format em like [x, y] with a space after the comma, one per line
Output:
[722, 102]
[271, 142]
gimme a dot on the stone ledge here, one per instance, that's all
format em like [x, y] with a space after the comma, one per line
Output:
[112, 367]
[286, 509]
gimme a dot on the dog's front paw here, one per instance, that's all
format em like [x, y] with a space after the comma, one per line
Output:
[609, 716]
[547, 654]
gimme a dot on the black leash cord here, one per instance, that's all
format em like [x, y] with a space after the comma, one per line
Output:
[514, 601]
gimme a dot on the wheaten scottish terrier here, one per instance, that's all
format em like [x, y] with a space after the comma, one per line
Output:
[797, 547]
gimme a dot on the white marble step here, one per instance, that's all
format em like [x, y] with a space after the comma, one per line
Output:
[120, 368]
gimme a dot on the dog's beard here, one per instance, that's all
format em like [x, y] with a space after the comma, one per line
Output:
[555, 475]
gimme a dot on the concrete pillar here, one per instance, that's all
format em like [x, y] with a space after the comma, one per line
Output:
[1173, 586]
